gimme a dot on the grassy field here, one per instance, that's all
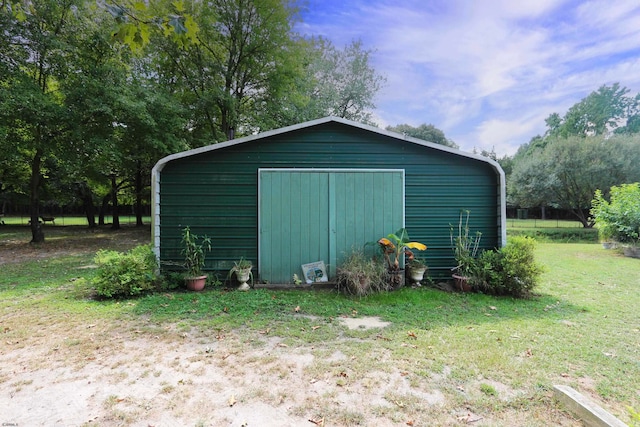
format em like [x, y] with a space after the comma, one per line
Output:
[494, 356]
[552, 230]
[539, 223]
[546, 231]
[512, 223]
[62, 220]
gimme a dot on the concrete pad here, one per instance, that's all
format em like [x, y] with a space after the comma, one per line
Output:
[590, 413]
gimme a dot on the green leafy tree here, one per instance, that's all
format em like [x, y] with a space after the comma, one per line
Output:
[136, 21]
[150, 126]
[36, 39]
[528, 185]
[127, 119]
[93, 93]
[425, 132]
[344, 83]
[221, 79]
[600, 113]
[567, 171]
[318, 80]
[249, 72]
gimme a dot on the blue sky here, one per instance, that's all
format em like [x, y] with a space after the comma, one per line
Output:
[486, 72]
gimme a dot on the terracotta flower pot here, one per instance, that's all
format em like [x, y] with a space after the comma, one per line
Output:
[195, 283]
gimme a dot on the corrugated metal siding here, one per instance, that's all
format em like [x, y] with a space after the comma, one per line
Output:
[216, 192]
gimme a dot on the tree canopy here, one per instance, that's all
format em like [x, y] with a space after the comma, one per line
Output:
[425, 132]
[566, 172]
[92, 94]
[602, 112]
[595, 145]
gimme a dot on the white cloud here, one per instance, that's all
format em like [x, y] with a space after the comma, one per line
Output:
[500, 135]
[488, 72]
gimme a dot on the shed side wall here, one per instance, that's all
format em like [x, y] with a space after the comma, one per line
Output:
[215, 193]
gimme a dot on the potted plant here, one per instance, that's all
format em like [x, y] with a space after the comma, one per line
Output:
[416, 268]
[392, 246]
[193, 250]
[242, 270]
[465, 248]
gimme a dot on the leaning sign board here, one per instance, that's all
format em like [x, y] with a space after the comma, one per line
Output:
[315, 272]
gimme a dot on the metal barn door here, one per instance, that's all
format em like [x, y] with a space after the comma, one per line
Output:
[320, 215]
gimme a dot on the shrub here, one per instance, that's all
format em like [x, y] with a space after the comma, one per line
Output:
[511, 270]
[619, 219]
[170, 281]
[359, 275]
[125, 274]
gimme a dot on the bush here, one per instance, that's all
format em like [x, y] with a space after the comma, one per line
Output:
[511, 270]
[170, 281]
[619, 219]
[125, 274]
[359, 275]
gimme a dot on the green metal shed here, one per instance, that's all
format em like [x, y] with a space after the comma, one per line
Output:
[313, 191]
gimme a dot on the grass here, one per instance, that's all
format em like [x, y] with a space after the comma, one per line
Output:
[64, 220]
[514, 223]
[552, 230]
[496, 355]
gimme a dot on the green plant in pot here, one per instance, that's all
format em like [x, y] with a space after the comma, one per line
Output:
[416, 269]
[193, 251]
[242, 270]
[392, 247]
[465, 250]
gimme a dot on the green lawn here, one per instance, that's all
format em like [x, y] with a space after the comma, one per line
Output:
[66, 220]
[81, 220]
[539, 223]
[552, 230]
[582, 329]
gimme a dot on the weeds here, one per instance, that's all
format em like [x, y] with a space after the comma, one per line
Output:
[360, 276]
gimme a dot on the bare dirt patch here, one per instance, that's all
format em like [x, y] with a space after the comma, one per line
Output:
[364, 322]
[59, 241]
[115, 376]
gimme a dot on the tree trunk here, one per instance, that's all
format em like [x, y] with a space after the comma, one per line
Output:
[84, 193]
[139, 189]
[543, 213]
[114, 203]
[582, 217]
[37, 235]
[103, 208]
